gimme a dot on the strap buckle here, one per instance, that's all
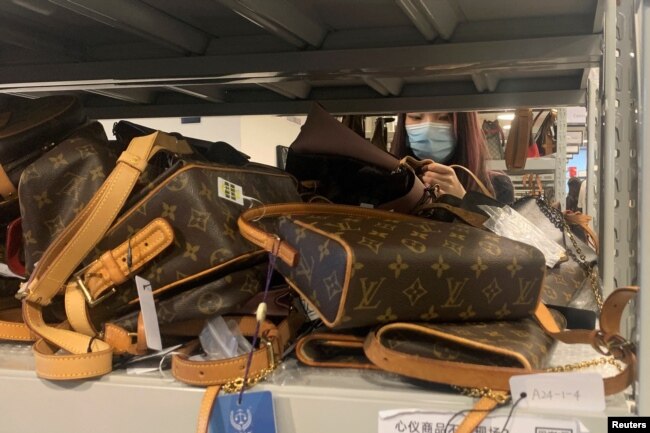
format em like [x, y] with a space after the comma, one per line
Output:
[273, 362]
[78, 277]
[612, 344]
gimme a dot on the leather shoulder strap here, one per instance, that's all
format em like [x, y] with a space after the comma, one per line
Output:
[89, 356]
[607, 341]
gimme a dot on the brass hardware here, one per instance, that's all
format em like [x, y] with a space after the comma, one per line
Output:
[86, 292]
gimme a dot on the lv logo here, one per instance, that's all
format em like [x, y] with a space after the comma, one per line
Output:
[455, 288]
[304, 268]
[343, 226]
[525, 292]
[369, 291]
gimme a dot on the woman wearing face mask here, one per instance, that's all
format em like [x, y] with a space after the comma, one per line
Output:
[449, 138]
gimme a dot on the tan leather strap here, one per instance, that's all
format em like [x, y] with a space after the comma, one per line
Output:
[469, 217]
[8, 190]
[478, 181]
[92, 363]
[497, 378]
[582, 220]
[418, 164]
[12, 327]
[207, 403]
[79, 237]
[275, 339]
[478, 413]
[88, 356]
[113, 268]
[271, 242]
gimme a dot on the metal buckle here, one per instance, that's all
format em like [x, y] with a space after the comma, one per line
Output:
[270, 353]
[86, 292]
[612, 345]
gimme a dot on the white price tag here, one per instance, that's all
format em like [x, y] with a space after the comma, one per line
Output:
[149, 316]
[230, 191]
[560, 391]
[421, 421]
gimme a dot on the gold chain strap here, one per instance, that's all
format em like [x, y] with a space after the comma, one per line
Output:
[502, 398]
[593, 274]
[499, 397]
[604, 360]
[237, 384]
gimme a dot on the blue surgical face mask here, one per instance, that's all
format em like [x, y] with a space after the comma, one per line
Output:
[432, 141]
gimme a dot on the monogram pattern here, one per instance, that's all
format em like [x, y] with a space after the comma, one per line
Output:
[220, 296]
[207, 242]
[206, 231]
[524, 338]
[55, 187]
[409, 270]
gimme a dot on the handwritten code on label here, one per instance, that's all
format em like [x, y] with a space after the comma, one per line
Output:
[560, 391]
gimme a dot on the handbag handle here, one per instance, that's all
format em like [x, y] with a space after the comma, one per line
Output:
[272, 243]
[418, 164]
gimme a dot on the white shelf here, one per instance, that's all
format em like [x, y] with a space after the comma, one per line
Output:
[306, 399]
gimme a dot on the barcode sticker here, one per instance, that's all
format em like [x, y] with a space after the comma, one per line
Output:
[231, 191]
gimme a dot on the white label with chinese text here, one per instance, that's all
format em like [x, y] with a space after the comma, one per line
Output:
[420, 421]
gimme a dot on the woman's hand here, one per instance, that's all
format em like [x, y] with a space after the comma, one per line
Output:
[442, 179]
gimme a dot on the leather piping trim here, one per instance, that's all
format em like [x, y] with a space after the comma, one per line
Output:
[286, 252]
[349, 259]
[455, 339]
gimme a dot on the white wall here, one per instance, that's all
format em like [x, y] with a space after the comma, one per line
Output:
[261, 134]
[256, 136]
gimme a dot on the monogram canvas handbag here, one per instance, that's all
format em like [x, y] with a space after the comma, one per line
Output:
[178, 230]
[359, 267]
[478, 358]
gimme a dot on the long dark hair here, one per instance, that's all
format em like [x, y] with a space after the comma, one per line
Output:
[471, 151]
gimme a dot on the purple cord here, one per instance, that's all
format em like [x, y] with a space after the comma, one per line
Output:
[269, 273]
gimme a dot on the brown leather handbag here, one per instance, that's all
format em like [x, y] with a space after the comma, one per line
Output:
[519, 138]
[28, 127]
[331, 160]
[359, 267]
[178, 230]
[478, 358]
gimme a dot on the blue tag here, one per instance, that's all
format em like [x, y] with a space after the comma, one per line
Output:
[254, 414]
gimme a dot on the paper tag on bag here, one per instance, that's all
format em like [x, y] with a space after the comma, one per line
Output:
[230, 191]
[254, 414]
[149, 316]
[561, 391]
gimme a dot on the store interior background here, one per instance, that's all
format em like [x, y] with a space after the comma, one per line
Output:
[258, 136]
